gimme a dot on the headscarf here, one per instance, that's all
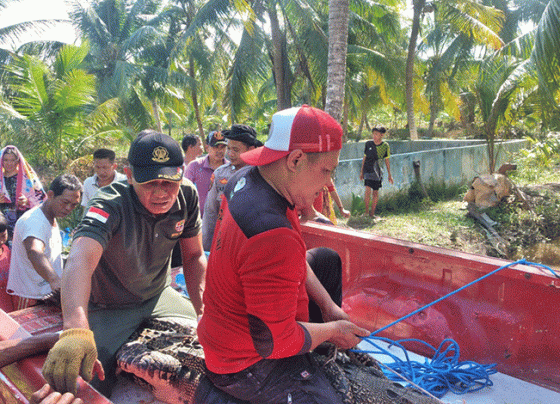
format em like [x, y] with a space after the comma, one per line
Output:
[28, 183]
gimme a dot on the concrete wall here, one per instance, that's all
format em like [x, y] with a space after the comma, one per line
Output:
[450, 161]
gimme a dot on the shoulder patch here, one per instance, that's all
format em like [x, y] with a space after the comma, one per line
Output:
[97, 214]
[180, 225]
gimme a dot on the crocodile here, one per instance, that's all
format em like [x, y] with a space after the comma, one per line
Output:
[165, 355]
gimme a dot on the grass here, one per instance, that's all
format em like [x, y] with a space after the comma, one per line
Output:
[441, 220]
[442, 224]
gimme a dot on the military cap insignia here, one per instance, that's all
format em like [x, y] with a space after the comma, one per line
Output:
[160, 154]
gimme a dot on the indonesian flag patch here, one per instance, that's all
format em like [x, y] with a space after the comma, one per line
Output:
[97, 214]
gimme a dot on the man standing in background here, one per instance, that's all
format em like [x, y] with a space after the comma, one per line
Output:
[200, 170]
[105, 172]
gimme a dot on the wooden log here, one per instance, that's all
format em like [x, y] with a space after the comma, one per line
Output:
[497, 241]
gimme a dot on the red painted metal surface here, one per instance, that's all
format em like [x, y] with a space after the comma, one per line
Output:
[511, 318]
[19, 380]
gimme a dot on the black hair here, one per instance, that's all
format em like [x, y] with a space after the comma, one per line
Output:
[380, 129]
[104, 154]
[65, 181]
[3, 223]
[11, 150]
[188, 141]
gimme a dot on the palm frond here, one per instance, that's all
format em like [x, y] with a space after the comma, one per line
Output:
[70, 57]
[87, 21]
[547, 43]
[520, 46]
[248, 64]
[45, 50]
[15, 31]
[142, 37]
[475, 20]
[211, 12]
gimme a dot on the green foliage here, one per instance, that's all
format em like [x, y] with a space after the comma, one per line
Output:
[543, 152]
[539, 162]
[525, 227]
[72, 220]
[358, 206]
[53, 106]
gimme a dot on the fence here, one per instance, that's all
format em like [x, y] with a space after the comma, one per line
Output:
[451, 162]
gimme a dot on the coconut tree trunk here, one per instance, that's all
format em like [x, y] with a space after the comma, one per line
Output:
[345, 121]
[336, 67]
[418, 6]
[434, 109]
[155, 108]
[282, 97]
[363, 122]
[194, 99]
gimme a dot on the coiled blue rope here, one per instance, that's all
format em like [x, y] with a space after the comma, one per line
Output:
[444, 372]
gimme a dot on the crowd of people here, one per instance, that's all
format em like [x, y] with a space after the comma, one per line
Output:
[261, 299]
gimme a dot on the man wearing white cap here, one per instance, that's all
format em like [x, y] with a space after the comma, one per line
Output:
[255, 330]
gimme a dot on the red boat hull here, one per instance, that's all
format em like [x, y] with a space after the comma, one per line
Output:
[509, 318]
[19, 380]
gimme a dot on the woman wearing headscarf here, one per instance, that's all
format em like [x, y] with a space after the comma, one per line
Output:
[20, 188]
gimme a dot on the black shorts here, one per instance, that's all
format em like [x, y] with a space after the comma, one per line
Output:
[375, 185]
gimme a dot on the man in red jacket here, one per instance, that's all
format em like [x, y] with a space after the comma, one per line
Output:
[255, 330]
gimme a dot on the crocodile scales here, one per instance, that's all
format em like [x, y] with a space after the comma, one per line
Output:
[165, 355]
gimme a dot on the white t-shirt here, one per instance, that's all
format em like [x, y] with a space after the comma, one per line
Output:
[23, 280]
[91, 186]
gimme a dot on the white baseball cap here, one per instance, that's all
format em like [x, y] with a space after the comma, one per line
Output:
[306, 128]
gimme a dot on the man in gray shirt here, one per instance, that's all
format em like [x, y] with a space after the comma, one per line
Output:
[240, 138]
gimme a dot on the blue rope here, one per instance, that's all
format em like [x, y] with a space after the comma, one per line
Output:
[444, 372]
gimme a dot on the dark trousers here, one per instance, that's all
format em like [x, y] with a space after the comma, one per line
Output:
[295, 379]
[327, 266]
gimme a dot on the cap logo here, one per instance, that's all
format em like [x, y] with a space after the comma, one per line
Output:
[218, 135]
[160, 154]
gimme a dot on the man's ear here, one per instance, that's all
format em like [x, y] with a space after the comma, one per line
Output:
[50, 194]
[128, 173]
[294, 159]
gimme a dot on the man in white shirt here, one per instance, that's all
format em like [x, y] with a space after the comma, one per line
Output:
[36, 262]
[104, 168]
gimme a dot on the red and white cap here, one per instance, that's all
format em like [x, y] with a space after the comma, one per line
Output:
[306, 128]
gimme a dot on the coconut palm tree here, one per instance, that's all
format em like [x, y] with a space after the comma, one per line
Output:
[51, 109]
[467, 17]
[374, 62]
[522, 81]
[117, 33]
[280, 35]
[336, 66]
[203, 59]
